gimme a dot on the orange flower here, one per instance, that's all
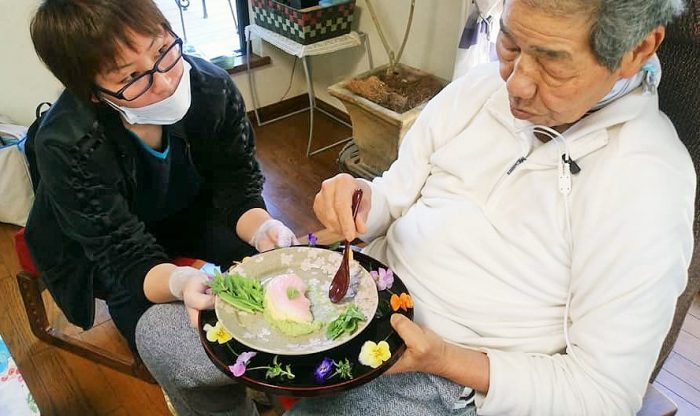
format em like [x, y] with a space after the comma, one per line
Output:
[403, 301]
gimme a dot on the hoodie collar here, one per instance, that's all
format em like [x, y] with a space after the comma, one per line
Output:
[584, 137]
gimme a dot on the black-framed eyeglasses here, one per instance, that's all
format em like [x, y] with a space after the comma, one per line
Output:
[139, 85]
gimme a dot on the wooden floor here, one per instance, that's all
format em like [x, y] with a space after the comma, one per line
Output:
[64, 384]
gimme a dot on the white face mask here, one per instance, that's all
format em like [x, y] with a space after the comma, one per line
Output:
[648, 77]
[165, 112]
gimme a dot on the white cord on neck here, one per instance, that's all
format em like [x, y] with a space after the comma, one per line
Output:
[565, 189]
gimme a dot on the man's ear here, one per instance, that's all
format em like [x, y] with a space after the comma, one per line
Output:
[633, 60]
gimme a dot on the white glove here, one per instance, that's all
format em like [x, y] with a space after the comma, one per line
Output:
[272, 233]
[180, 276]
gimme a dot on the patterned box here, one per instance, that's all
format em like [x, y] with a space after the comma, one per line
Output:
[306, 25]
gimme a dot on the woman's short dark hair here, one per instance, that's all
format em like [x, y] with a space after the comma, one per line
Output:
[78, 39]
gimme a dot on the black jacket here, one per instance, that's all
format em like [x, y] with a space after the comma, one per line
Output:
[82, 230]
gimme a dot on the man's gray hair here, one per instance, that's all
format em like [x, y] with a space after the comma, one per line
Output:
[618, 25]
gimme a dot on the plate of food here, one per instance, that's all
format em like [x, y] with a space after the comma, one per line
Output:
[353, 359]
[277, 302]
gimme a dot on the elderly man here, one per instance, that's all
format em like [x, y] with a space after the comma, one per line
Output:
[541, 216]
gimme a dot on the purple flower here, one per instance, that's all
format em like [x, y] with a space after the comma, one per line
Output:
[323, 370]
[384, 278]
[238, 369]
[245, 357]
[312, 240]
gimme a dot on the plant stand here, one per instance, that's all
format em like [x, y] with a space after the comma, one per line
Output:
[376, 131]
[293, 48]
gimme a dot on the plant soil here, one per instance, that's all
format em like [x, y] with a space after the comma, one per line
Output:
[399, 91]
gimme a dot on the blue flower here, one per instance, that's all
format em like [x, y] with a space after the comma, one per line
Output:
[323, 370]
[312, 240]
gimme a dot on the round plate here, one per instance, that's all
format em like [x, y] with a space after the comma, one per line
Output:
[316, 267]
[304, 384]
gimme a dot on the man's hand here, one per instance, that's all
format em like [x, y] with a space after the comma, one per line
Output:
[425, 350]
[333, 205]
[271, 234]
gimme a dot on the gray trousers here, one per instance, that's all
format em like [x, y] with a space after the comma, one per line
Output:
[171, 350]
[405, 394]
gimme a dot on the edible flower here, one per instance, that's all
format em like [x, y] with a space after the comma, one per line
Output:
[312, 239]
[343, 369]
[217, 333]
[239, 367]
[373, 354]
[384, 278]
[402, 301]
[323, 370]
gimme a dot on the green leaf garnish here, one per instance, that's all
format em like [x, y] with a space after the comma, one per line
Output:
[292, 292]
[345, 322]
[241, 292]
[276, 370]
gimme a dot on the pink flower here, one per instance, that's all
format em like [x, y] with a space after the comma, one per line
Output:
[238, 369]
[384, 278]
[245, 357]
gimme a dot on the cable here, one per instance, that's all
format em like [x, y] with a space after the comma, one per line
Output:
[291, 78]
[565, 189]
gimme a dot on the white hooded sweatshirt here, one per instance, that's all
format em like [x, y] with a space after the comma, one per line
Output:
[499, 261]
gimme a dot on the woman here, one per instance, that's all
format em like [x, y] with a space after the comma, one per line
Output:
[540, 212]
[147, 155]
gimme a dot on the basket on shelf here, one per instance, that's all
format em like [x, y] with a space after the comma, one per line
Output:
[304, 26]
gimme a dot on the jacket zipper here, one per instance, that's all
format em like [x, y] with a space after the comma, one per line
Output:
[189, 156]
[515, 165]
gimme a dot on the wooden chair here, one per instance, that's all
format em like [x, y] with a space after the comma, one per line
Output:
[31, 288]
[48, 324]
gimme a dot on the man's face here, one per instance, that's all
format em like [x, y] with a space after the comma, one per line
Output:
[551, 73]
[133, 62]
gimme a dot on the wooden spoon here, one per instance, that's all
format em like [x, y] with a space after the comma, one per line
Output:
[341, 280]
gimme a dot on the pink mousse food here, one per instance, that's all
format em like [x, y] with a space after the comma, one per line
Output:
[286, 306]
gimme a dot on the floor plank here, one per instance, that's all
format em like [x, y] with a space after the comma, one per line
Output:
[65, 393]
[688, 346]
[691, 325]
[684, 407]
[683, 369]
[680, 387]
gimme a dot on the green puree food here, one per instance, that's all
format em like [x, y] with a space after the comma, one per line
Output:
[292, 328]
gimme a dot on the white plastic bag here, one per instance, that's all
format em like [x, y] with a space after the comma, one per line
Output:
[477, 43]
[16, 192]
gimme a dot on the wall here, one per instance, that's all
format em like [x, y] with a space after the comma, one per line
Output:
[24, 81]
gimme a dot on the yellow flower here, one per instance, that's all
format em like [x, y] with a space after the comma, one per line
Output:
[373, 355]
[217, 333]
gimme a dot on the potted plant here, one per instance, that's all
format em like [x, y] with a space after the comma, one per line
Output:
[383, 103]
